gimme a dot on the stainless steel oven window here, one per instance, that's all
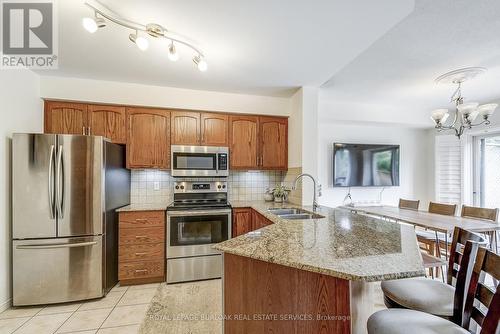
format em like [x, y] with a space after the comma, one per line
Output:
[198, 230]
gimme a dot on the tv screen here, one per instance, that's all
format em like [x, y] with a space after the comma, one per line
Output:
[365, 165]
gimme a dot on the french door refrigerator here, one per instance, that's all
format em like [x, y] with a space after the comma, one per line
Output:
[65, 189]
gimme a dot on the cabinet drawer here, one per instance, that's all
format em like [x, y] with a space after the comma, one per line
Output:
[141, 219]
[141, 269]
[141, 252]
[142, 235]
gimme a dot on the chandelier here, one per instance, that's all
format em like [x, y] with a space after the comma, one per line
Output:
[465, 113]
[140, 32]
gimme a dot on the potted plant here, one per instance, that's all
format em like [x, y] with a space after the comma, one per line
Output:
[280, 193]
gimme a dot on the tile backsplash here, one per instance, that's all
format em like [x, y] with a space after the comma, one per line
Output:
[151, 186]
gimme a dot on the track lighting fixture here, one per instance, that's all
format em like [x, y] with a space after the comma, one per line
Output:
[141, 42]
[154, 30]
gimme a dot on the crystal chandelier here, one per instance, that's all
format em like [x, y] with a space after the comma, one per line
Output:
[465, 113]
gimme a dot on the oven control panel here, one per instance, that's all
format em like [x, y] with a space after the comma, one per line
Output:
[200, 186]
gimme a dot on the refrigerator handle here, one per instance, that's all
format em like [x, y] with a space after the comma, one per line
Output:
[51, 182]
[67, 245]
[60, 183]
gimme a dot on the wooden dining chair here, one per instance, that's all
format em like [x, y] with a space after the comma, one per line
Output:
[486, 214]
[428, 295]
[408, 204]
[432, 240]
[487, 316]
[480, 213]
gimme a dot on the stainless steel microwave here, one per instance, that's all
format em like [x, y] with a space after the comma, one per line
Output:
[200, 161]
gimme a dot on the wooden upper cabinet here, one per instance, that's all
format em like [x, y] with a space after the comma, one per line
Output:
[108, 121]
[214, 129]
[243, 143]
[65, 118]
[273, 133]
[148, 138]
[185, 128]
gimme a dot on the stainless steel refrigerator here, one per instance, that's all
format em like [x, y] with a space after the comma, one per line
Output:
[65, 189]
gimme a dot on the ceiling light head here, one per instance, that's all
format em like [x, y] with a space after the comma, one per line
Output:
[486, 110]
[141, 42]
[90, 24]
[201, 63]
[173, 55]
[439, 116]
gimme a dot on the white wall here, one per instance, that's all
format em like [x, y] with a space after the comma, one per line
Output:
[76, 89]
[21, 110]
[416, 166]
[295, 131]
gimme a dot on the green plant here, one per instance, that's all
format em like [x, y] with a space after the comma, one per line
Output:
[280, 191]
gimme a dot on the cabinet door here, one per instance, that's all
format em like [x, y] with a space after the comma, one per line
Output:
[243, 132]
[109, 122]
[148, 140]
[185, 128]
[259, 221]
[273, 143]
[214, 130]
[65, 118]
[242, 221]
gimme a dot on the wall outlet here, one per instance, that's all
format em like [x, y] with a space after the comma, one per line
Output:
[156, 185]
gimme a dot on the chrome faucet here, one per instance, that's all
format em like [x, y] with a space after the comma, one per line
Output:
[317, 189]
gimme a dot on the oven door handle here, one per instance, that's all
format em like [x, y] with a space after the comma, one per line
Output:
[198, 213]
[217, 163]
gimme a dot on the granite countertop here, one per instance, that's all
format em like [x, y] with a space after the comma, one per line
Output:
[343, 244]
[143, 207]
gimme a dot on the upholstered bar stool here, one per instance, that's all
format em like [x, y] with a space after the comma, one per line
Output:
[487, 316]
[428, 295]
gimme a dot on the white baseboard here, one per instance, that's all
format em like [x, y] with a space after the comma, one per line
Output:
[5, 305]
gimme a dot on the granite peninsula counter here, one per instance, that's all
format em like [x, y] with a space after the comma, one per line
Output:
[318, 267]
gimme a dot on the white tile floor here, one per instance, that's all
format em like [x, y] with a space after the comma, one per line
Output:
[121, 311]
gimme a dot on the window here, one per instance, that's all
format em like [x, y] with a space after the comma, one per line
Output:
[486, 189]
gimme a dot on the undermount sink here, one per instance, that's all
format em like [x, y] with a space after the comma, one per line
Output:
[294, 213]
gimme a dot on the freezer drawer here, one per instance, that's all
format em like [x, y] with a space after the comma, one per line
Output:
[59, 270]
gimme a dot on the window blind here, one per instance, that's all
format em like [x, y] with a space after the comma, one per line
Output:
[448, 169]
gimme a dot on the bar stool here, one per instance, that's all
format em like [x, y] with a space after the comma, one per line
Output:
[487, 316]
[428, 295]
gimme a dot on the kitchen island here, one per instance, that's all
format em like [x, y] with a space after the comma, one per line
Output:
[312, 275]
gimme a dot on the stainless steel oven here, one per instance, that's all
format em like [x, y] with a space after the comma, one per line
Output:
[199, 218]
[201, 161]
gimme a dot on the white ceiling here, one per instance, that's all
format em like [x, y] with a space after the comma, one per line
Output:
[256, 47]
[393, 80]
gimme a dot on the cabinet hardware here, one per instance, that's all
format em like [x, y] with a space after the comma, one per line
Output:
[141, 220]
[140, 253]
[88, 131]
[141, 270]
[141, 236]
[83, 130]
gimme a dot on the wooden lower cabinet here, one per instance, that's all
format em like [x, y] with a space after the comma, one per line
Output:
[141, 247]
[246, 220]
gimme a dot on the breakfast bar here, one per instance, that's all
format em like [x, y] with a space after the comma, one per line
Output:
[312, 275]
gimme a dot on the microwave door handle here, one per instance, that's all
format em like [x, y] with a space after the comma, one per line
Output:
[217, 163]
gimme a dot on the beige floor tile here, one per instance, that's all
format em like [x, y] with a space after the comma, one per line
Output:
[132, 329]
[8, 326]
[133, 297]
[110, 300]
[144, 286]
[85, 320]
[59, 308]
[119, 288]
[43, 324]
[19, 312]
[126, 315]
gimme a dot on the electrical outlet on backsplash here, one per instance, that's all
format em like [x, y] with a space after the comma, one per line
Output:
[151, 186]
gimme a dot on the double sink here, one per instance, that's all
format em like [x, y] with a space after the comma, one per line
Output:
[294, 213]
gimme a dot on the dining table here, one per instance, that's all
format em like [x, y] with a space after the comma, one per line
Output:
[433, 221]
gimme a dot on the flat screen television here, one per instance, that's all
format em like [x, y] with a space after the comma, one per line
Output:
[365, 165]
